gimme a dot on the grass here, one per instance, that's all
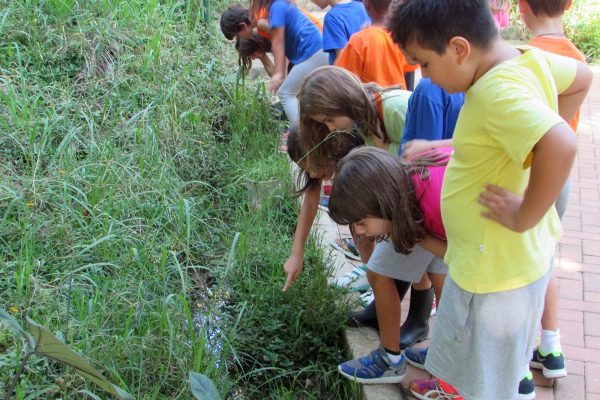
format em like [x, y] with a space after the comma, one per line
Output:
[122, 132]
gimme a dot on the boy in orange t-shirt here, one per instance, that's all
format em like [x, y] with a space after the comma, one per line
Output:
[544, 19]
[371, 53]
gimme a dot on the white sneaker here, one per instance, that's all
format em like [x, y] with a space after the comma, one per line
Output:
[355, 281]
[366, 298]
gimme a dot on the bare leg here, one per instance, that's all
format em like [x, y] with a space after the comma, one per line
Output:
[388, 310]
[550, 315]
[437, 281]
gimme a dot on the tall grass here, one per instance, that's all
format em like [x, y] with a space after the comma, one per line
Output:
[121, 138]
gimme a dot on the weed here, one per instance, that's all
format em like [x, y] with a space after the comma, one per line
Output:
[121, 142]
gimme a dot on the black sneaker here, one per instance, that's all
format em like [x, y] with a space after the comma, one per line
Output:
[527, 388]
[551, 364]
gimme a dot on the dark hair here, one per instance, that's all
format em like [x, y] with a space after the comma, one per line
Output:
[247, 47]
[548, 8]
[380, 6]
[432, 23]
[296, 153]
[232, 18]
[370, 182]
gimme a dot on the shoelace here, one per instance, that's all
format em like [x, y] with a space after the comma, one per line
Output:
[445, 395]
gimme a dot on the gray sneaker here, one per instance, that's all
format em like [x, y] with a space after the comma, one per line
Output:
[374, 368]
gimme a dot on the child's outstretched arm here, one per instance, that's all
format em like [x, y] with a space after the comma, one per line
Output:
[267, 64]
[278, 49]
[553, 158]
[308, 212]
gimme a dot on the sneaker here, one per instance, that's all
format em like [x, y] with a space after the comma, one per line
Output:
[347, 247]
[324, 203]
[355, 281]
[374, 368]
[526, 388]
[415, 356]
[433, 307]
[366, 298]
[551, 364]
[427, 389]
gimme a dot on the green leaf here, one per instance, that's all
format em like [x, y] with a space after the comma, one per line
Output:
[15, 326]
[48, 345]
[202, 387]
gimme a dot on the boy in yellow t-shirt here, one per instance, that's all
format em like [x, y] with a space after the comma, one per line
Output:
[513, 154]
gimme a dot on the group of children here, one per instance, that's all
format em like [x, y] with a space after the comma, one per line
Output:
[451, 187]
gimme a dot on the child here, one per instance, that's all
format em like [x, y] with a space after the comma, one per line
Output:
[500, 10]
[343, 19]
[332, 98]
[430, 119]
[544, 20]
[236, 22]
[501, 237]
[310, 185]
[254, 48]
[383, 198]
[294, 37]
[371, 54]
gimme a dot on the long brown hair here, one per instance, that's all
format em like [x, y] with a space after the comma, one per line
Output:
[335, 150]
[247, 47]
[334, 91]
[370, 182]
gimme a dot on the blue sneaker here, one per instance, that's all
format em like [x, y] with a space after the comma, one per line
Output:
[526, 388]
[551, 364]
[415, 356]
[374, 368]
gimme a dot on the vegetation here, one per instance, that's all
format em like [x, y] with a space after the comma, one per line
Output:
[125, 227]
[581, 24]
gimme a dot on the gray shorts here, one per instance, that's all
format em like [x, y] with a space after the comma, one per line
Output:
[482, 343]
[387, 261]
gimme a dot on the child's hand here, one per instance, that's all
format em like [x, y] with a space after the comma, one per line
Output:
[275, 82]
[503, 206]
[415, 147]
[292, 269]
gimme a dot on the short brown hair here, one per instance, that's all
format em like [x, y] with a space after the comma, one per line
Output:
[232, 18]
[548, 8]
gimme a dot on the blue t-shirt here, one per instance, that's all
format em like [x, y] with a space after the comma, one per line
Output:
[302, 37]
[431, 113]
[341, 22]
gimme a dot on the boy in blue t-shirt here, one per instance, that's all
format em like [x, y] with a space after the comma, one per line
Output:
[430, 118]
[345, 18]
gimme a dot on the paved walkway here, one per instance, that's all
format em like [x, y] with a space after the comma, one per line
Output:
[578, 271]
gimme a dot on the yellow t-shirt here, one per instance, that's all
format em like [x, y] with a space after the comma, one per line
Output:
[506, 112]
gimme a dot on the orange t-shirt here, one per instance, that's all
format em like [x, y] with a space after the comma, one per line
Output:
[561, 46]
[264, 13]
[373, 56]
